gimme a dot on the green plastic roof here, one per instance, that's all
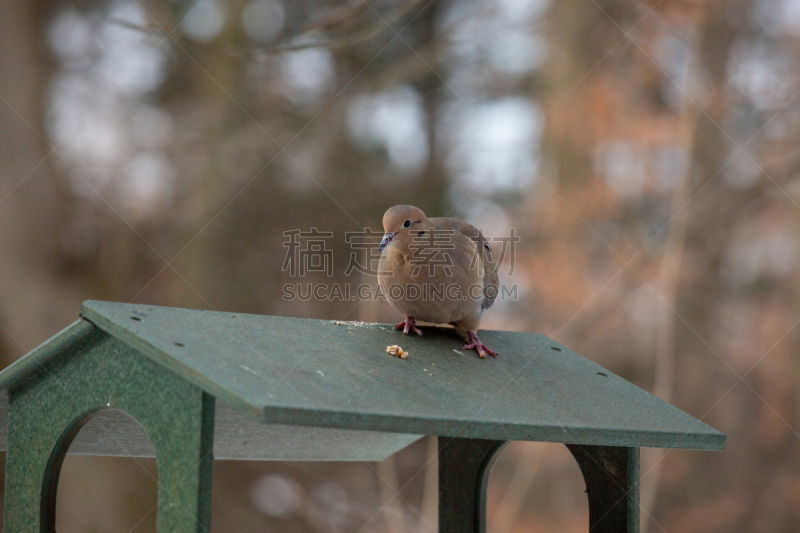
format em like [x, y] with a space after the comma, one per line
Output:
[337, 375]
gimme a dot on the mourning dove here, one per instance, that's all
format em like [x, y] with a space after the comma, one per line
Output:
[438, 270]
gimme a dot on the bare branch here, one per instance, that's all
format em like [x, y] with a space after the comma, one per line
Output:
[302, 41]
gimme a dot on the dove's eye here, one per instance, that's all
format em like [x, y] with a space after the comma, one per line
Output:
[407, 223]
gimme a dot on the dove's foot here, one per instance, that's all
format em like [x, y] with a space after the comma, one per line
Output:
[408, 325]
[474, 343]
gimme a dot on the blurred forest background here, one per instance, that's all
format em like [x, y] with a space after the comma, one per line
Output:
[646, 153]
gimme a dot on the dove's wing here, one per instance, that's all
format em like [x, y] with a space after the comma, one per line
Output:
[491, 280]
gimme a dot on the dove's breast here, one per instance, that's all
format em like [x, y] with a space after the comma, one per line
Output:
[441, 288]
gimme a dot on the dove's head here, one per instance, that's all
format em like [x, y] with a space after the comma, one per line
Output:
[401, 218]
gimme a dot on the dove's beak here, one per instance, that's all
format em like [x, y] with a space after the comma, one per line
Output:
[387, 238]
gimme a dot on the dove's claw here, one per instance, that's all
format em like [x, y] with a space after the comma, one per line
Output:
[408, 325]
[474, 343]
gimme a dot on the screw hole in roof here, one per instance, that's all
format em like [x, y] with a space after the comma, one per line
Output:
[601, 374]
[556, 348]
[180, 345]
[136, 318]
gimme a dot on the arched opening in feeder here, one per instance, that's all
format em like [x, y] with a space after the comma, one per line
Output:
[115, 491]
[536, 483]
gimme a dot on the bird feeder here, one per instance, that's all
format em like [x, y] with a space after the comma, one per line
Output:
[207, 385]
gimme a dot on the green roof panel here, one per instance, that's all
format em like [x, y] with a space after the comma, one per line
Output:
[337, 374]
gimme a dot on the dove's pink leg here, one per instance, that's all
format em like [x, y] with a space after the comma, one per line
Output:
[408, 325]
[474, 343]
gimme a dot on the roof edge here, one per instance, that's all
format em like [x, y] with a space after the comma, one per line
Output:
[76, 332]
[164, 359]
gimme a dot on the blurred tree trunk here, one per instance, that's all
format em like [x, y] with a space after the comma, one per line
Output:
[433, 176]
[30, 207]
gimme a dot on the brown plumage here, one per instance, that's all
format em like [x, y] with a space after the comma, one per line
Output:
[438, 270]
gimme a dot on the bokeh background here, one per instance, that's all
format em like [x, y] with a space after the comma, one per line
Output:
[646, 153]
